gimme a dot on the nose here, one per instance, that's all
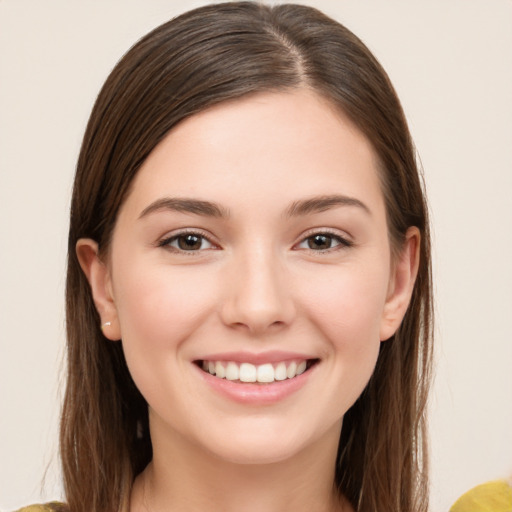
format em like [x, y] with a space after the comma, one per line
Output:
[258, 298]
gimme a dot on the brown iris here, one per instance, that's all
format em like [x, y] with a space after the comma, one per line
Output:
[320, 242]
[189, 242]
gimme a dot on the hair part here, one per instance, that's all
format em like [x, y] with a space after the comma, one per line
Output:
[204, 57]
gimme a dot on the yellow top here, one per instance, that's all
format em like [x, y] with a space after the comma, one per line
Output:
[490, 497]
[54, 506]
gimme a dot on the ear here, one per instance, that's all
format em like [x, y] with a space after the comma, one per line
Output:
[401, 284]
[99, 278]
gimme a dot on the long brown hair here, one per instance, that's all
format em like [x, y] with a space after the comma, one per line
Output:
[201, 58]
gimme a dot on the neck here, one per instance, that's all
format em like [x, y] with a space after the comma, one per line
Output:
[196, 480]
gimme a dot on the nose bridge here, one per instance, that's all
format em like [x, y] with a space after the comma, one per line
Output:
[258, 297]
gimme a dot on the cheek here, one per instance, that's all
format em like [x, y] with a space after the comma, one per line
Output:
[157, 296]
[158, 309]
[347, 307]
[348, 304]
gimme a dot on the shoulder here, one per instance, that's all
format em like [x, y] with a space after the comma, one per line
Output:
[54, 506]
[490, 497]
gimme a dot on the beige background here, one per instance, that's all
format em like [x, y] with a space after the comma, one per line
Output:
[451, 62]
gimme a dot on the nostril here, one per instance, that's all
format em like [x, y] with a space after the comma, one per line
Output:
[258, 302]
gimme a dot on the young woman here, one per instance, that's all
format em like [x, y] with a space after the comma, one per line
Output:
[249, 291]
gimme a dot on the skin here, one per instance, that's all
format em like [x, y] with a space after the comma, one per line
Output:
[254, 284]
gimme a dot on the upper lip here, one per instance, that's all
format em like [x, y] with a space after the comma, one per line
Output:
[272, 356]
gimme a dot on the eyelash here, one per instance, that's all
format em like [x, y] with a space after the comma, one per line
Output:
[342, 243]
[167, 242]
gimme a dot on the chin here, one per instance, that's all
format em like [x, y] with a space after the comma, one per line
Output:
[256, 453]
[261, 444]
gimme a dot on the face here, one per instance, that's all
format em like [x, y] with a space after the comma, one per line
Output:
[250, 277]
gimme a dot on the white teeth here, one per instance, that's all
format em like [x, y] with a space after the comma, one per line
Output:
[232, 372]
[301, 368]
[265, 373]
[291, 370]
[220, 371]
[280, 372]
[247, 372]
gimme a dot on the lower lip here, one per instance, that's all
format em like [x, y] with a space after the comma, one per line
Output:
[254, 393]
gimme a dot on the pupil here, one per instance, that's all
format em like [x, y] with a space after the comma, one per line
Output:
[189, 242]
[320, 242]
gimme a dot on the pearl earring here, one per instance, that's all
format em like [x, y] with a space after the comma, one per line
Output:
[106, 324]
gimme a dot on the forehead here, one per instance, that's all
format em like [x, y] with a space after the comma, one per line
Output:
[267, 147]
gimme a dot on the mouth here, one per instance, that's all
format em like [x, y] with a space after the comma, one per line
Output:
[266, 373]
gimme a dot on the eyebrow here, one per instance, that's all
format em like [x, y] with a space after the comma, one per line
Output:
[319, 204]
[307, 206]
[186, 205]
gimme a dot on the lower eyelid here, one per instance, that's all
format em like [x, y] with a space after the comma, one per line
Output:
[341, 242]
[167, 241]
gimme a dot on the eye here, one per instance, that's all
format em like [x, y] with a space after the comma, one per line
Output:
[190, 242]
[323, 242]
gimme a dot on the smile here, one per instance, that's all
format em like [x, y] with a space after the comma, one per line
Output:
[263, 373]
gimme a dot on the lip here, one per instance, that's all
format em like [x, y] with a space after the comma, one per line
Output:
[274, 356]
[256, 393]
